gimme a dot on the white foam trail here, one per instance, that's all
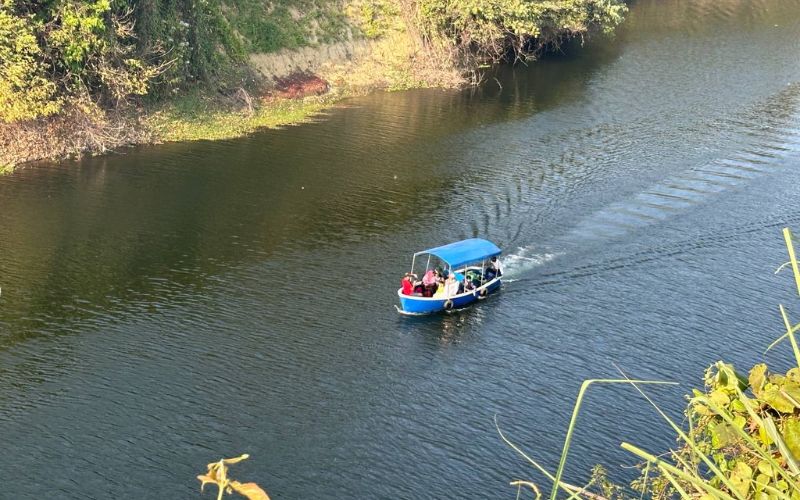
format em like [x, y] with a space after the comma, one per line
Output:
[524, 259]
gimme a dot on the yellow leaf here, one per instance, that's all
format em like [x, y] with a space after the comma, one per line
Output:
[250, 490]
[702, 409]
[236, 459]
[206, 479]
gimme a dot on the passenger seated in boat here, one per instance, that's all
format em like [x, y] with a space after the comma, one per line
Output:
[451, 285]
[408, 284]
[429, 283]
[473, 277]
[440, 290]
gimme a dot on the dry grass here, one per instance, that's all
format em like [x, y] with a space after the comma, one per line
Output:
[72, 133]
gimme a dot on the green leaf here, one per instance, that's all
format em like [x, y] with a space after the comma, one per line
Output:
[763, 434]
[773, 397]
[791, 435]
[791, 391]
[740, 477]
[757, 378]
[761, 481]
[719, 399]
[722, 435]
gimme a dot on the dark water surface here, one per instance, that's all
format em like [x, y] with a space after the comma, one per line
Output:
[171, 305]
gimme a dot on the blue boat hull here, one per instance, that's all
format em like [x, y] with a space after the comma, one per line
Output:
[425, 305]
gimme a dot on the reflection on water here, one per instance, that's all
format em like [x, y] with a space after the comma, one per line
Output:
[170, 305]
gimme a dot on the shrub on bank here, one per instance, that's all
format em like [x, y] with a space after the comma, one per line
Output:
[67, 53]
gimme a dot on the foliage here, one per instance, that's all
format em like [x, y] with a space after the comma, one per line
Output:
[195, 37]
[743, 439]
[209, 38]
[57, 55]
[375, 18]
[744, 432]
[493, 28]
[751, 441]
[285, 23]
[103, 52]
[52, 53]
[25, 90]
[218, 474]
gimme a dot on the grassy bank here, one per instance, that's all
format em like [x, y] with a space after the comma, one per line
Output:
[196, 116]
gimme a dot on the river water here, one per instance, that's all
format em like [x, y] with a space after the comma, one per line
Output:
[167, 306]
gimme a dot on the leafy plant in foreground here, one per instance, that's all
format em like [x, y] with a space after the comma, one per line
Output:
[218, 474]
[742, 442]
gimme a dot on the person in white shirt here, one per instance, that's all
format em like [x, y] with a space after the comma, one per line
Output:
[497, 266]
[495, 269]
[451, 285]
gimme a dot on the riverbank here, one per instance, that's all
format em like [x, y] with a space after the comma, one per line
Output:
[292, 86]
[284, 88]
[164, 72]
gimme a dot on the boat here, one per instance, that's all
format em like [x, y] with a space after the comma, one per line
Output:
[469, 261]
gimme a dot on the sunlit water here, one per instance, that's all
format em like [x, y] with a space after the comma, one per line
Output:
[168, 306]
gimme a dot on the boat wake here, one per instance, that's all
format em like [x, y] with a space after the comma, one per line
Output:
[522, 261]
[772, 132]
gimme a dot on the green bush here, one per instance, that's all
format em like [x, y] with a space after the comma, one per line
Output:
[25, 90]
[66, 51]
[493, 28]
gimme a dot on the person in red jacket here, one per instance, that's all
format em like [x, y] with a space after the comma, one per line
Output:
[407, 283]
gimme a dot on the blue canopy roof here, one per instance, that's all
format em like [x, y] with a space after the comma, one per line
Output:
[463, 252]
